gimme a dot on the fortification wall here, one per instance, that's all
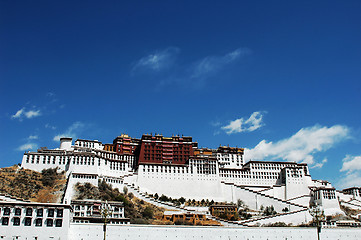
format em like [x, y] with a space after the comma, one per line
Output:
[137, 232]
[176, 186]
[296, 218]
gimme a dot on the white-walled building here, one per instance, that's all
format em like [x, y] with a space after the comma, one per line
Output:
[90, 211]
[215, 174]
[31, 220]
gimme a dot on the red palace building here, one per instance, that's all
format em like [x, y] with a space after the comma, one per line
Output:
[124, 144]
[168, 150]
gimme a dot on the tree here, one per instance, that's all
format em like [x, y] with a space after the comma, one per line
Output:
[148, 212]
[156, 196]
[269, 211]
[240, 204]
[285, 210]
[49, 176]
[164, 198]
[182, 200]
[318, 216]
[125, 190]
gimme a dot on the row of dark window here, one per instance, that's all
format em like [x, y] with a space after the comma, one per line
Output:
[27, 222]
[29, 212]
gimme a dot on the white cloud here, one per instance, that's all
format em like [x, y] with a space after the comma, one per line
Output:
[28, 146]
[301, 146]
[212, 64]
[216, 123]
[72, 131]
[193, 74]
[50, 126]
[31, 113]
[349, 180]
[33, 137]
[20, 114]
[351, 164]
[241, 125]
[157, 61]
[320, 164]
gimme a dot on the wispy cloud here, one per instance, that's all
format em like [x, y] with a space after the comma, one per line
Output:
[72, 131]
[212, 64]
[50, 94]
[28, 146]
[320, 164]
[50, 126]
[157, 61]
[193, 74]
[32, 137]
[251, 124]
[351, 164]
[18, 114]
[350, 172]
[349, 179]
[301, 146]
[23, 113]
[31, 113]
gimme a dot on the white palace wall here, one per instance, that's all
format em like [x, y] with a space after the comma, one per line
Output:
[294, 218]
[180, 184]
[201, 178]
[277, 191]
[138, 232]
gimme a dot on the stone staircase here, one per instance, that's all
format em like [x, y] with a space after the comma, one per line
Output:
[254, 220]
[267, 196]
[8, 198]
[173, 207]
[66, 188]
[351, 204]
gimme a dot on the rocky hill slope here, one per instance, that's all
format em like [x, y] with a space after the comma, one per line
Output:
[47, 186]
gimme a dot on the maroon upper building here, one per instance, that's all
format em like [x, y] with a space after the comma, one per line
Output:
[124, 144]
[168, 150]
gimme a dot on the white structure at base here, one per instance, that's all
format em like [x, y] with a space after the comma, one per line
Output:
[222, 177]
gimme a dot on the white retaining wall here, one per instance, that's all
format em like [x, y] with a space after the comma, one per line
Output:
[138, 232]
[296, 218]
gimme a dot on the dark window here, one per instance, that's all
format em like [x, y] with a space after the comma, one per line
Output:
[50, 212]
[49, 222]
[5, 221]
[7, 211]
[39, 212]
[59, 212]
[58, 222]
[17, 211]
[27, 221]
[39, 222]
[16, 221]
[29, 211]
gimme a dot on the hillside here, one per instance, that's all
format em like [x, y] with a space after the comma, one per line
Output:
[46, 186]
[138, 211]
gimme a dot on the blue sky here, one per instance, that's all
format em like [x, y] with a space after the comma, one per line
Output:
[279, 78]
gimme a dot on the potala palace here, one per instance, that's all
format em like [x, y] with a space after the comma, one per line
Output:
[176, 167]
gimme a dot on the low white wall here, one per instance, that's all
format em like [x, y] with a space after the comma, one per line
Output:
[138, 232]
[304, 201]
[297, 218]
[255, 201]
